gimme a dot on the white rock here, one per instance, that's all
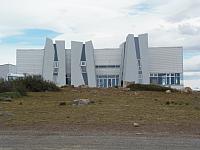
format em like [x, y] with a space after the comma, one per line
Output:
[168, 91]
[136, 124]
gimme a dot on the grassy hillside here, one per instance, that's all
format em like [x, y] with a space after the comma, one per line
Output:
[112, 106]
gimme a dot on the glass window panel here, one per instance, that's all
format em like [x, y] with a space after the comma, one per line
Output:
[153, 80]
[83, 69]
[105, 83]
[109, 83]
[101, 82]
[160, 80]
[172, 80]
[111, 76]
[177, 74]
[113, 82]
[177, 80]
[168, 81]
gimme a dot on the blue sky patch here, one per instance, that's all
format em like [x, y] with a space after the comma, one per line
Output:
[143, 7]
[30, 37]
[189, 54]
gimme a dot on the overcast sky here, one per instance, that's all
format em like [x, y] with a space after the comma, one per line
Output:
[26, 23]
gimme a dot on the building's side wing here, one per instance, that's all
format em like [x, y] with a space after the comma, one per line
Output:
[4, 70]
[166, 66]
[29, 61]
[166, 59]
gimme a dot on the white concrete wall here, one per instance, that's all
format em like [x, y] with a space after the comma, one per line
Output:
[29, 61]
[76, 74]
[143, 44]
[108, 56]
[130, 72]
[61, 80]
[166, 59]
[12, 69]
[4, 70]
[48, 60]
[91, 74]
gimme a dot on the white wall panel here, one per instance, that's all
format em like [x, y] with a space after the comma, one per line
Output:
[107, 56]
[91, 74]
[143, 44]
[107, 71]
[29, 61]
[60, 45]
[76, 74]
[130, 72]
[4, 70]
[48, 60]
[166, 59]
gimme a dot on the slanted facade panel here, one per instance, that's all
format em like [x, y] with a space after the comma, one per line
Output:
[76, 74]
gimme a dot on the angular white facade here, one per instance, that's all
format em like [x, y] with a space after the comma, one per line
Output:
[7, 69]
[133, 61]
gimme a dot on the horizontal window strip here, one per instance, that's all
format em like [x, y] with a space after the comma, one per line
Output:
[107, 66]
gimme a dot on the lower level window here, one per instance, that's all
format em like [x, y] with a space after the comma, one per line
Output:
[166, 78]
[107, 80]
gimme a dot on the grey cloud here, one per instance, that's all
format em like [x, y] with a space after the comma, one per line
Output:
[191, 11]
[188, 29]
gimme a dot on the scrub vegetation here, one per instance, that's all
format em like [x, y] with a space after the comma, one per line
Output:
[149, 87]
[20, 87]
[111, 107]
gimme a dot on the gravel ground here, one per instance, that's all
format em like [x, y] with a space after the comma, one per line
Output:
[61, 141]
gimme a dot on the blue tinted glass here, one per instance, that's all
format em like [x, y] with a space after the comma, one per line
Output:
[105, 83]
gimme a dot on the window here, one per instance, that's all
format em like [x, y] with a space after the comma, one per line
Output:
[83, 63]
[107, 80]
[165, 78]
[107, 66]
[83, 69]
[55, 64]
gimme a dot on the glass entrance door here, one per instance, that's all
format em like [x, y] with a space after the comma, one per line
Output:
[109, 82]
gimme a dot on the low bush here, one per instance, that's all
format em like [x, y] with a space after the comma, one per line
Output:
[37, 84]
[27, 84]
[148, 87]
[10, 95]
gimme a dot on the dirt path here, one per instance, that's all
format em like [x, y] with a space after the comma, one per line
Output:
[61, 141]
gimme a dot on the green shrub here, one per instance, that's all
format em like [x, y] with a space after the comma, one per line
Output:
[37, 84]
[148, 87]
[6, 86]
[27, 84]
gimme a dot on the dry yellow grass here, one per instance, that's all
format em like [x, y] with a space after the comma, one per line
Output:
[111, 106]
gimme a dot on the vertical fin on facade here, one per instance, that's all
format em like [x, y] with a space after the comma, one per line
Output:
[130, 67]
[48, 60]
[59, 57]
[76, 72]
[144, 56]
[83, 65]
[90, 64]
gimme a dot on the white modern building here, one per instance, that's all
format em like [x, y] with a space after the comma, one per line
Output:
[134, 61]
[6, 70]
